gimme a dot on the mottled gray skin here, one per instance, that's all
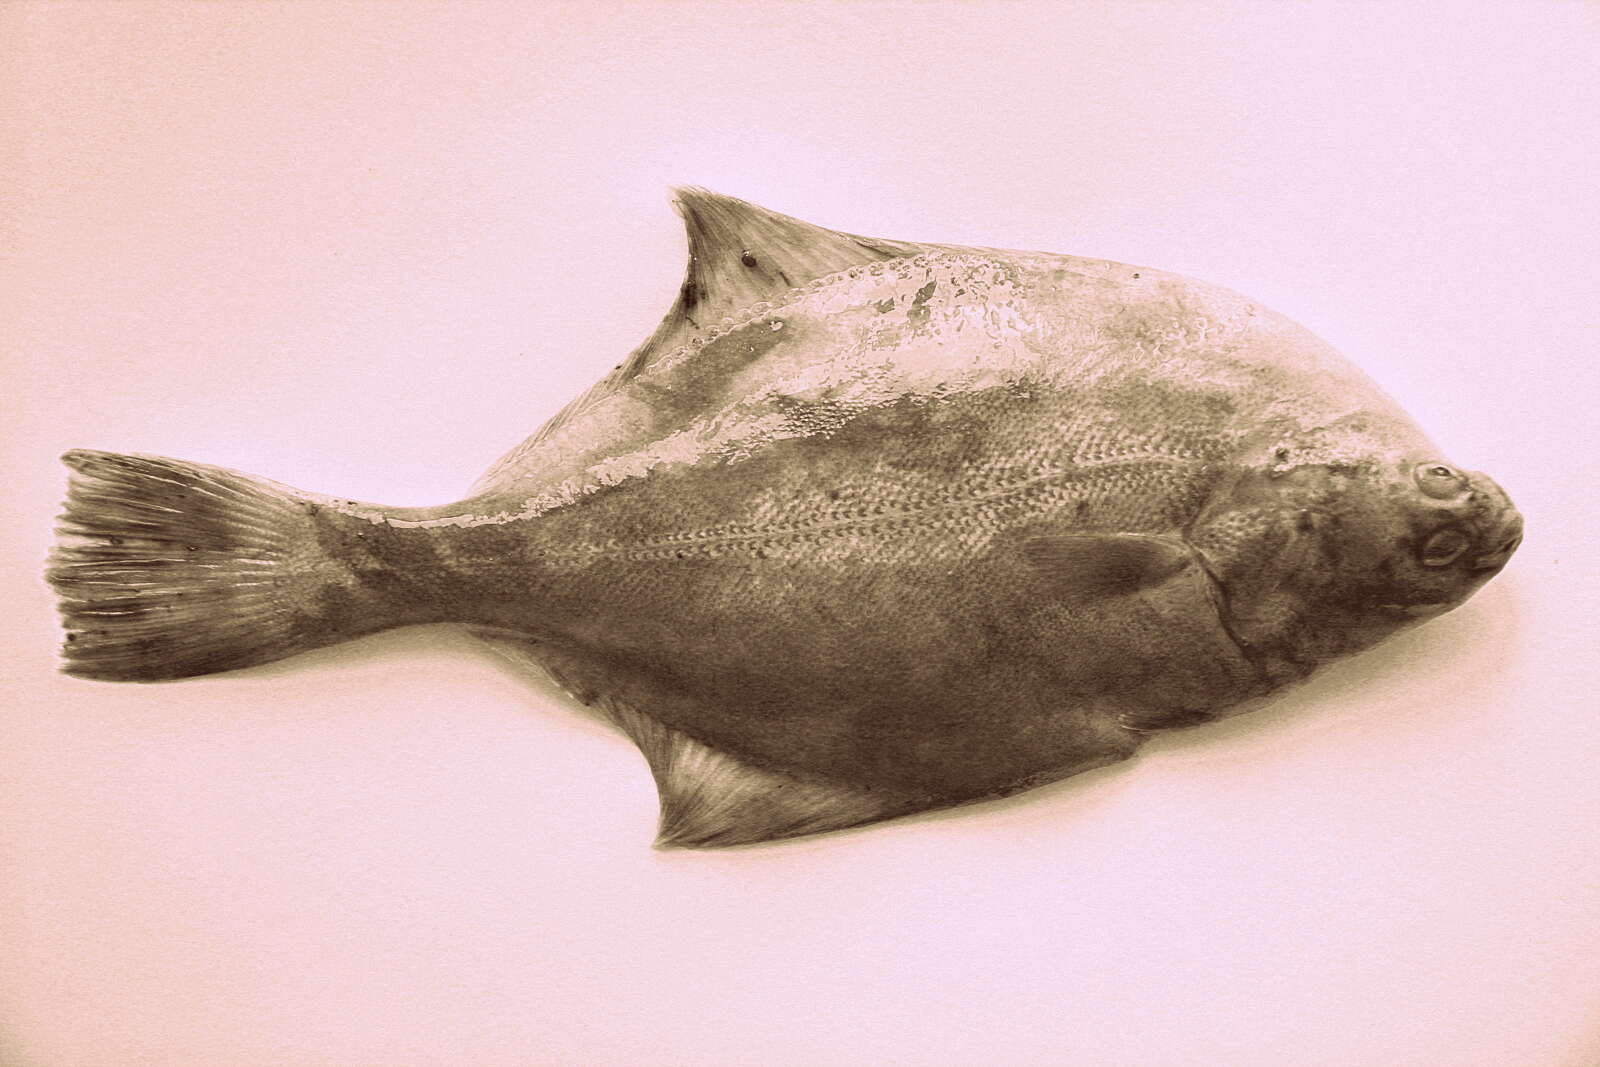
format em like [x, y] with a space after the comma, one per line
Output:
[913, 525]
[824, 570]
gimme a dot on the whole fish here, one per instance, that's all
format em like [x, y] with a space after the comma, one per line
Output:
[865, 528]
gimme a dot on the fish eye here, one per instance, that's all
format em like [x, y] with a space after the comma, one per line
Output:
[1439, 481]
[1444, 547]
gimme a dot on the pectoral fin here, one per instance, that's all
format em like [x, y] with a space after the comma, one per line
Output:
[1092, 565]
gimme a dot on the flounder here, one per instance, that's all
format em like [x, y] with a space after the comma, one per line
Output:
[865, 528]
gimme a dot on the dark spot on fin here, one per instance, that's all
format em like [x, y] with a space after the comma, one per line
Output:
[918, 314]
[1088, 566]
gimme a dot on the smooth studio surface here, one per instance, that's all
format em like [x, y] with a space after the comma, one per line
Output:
[365, 249]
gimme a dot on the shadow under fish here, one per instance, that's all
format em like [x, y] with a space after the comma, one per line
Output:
[865, 528]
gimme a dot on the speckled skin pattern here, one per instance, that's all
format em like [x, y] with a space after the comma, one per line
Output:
[857, 532]
[797, 537]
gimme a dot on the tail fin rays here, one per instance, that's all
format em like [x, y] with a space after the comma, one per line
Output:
[167, 569]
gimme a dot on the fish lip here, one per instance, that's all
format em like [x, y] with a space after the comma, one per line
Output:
[1423, 610]
[1507, 538]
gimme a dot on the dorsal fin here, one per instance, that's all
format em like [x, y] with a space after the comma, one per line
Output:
[741, 254]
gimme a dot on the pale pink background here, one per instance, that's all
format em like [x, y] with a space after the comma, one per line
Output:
[366, 248]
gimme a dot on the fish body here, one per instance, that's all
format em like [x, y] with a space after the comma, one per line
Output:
[865, 528]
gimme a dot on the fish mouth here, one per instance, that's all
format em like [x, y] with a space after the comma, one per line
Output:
[1502, 533]
[1487, 525]
[1505, 540]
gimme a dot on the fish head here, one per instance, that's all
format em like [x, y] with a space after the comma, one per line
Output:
[1459, 527]
[1322, 559]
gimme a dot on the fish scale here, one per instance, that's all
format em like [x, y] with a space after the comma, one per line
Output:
[1138, 490]
[865, 528]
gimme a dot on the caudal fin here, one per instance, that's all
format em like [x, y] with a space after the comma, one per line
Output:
[167, 569]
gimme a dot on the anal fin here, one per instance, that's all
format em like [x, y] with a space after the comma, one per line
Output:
[710, 799]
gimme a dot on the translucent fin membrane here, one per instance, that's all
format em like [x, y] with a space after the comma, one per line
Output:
[166, 569]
